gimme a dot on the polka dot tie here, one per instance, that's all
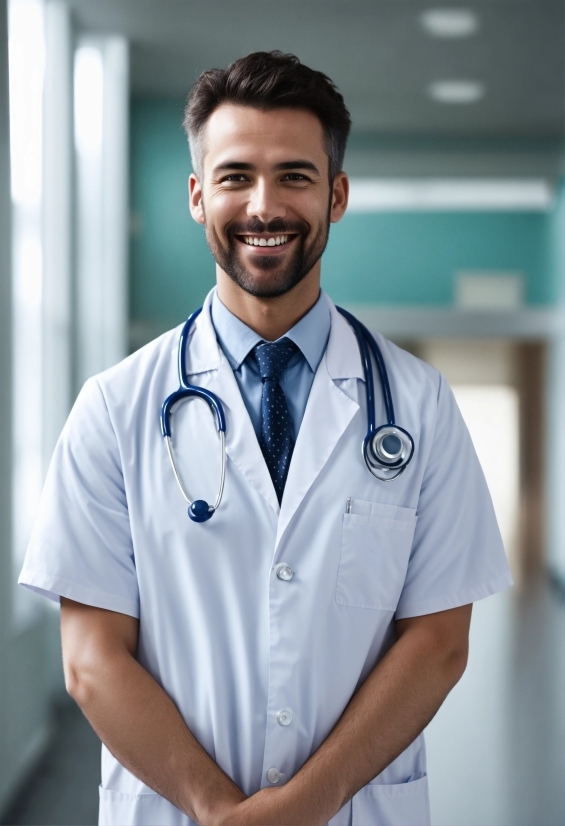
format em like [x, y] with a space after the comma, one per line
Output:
[276, 426]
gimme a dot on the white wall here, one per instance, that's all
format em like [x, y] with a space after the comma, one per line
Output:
[30, 670]
[23, 702]
[57, 224]
[555, 457]
[80, 326]
[5, 383]
[101, 138]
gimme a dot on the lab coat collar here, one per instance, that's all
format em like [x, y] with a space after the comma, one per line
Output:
[203, 352]
[343, 359]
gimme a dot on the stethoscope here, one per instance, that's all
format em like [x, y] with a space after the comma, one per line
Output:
[387, 450]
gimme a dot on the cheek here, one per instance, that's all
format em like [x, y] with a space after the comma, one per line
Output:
[312, 206]
[223, 207]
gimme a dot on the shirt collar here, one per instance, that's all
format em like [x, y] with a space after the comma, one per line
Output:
[236, 339]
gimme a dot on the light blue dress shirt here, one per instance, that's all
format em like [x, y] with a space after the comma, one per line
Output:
[237, 341]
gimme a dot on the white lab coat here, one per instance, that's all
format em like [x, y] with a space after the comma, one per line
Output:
[229, 641]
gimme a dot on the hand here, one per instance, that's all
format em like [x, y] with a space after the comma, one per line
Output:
[258, 809]
[268, 807]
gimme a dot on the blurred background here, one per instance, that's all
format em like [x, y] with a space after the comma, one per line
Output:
[453, 246]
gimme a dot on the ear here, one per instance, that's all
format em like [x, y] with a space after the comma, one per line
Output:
[195, 199]
[340, 197]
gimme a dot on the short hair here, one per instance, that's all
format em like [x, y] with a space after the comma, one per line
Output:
[267, 81]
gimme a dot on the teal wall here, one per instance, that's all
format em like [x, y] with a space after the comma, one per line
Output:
[394, 258]
[556, 247]
[410, 257]
[171, 269]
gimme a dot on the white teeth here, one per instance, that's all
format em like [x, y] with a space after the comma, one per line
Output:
[253, 241]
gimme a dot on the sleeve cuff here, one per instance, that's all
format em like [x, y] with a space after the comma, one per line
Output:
[55, 587]
[487, 589]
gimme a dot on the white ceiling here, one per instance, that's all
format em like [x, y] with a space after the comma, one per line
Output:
[375, 50]
[379, 55]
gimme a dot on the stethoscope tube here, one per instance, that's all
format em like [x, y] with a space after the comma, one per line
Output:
[387, 450]
[198, 510]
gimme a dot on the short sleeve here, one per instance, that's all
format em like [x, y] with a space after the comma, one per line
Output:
[457, 555]
[81, 545]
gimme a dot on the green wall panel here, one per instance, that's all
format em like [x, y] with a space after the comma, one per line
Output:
[171, 268]
[556, 248]
[398, 258]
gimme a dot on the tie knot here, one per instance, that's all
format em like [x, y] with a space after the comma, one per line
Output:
[272, 357]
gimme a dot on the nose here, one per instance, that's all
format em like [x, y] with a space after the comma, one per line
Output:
[265, 202]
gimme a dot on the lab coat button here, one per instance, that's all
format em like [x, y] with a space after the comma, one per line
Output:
[284, 717]
[273, 775]
[284, 572]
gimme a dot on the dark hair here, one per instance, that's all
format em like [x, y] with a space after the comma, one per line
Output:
[269, 80]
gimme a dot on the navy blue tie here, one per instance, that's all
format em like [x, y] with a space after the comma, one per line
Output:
[276, 441]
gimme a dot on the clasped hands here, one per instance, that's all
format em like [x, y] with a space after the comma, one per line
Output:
[276, 806]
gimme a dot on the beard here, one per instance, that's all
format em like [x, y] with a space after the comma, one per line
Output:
[279, 278]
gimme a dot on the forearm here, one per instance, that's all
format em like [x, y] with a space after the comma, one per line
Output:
[392, 707]
[141, 726]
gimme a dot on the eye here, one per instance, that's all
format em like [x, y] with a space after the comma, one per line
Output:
[234, 178]
[295, 176]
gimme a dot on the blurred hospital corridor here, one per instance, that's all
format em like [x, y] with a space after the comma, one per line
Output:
[452, 247]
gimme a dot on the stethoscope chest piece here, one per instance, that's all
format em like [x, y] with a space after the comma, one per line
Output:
[387, 451]
[200, 511]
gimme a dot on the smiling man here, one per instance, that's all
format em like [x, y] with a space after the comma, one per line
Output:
[275, 661]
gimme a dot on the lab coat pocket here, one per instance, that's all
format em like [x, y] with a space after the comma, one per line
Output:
[403, 804]
[375, 550]
[121, 809]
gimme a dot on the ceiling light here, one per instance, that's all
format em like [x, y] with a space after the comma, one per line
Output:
[456, 91]
[450, 23]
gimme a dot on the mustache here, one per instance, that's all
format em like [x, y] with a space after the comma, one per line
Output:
[277, 226]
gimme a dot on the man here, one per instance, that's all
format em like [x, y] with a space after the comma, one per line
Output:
[277, 663]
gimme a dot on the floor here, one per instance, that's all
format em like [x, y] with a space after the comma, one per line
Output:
[63, 791]
[496, 749]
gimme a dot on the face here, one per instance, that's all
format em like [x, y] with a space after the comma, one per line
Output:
[266, 199]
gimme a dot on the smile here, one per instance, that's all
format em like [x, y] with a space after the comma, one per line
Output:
[266, 241]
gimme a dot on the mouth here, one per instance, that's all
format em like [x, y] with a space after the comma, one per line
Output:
[267, 242]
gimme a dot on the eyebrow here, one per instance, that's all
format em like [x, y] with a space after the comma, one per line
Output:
[280, 167]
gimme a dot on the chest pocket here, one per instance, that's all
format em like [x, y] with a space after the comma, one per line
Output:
[375, 548]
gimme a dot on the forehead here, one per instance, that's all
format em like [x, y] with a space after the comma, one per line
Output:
[243, 133]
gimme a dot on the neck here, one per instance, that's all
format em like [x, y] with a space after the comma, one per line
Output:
[270, 318]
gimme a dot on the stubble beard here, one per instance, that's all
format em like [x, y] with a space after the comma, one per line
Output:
[280, 278]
